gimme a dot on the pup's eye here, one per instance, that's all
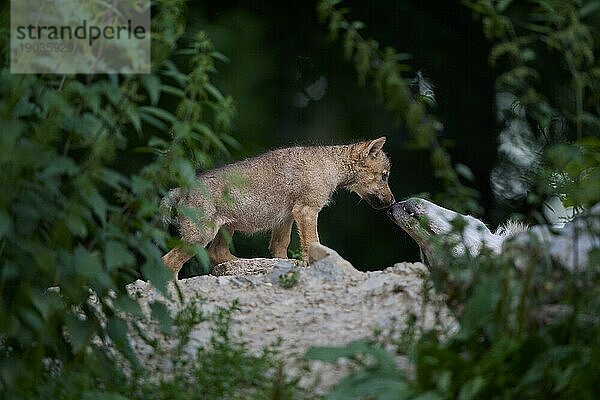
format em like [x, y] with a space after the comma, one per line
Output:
[384, 176]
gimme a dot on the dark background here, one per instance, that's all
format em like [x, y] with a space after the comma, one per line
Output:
[278, 49]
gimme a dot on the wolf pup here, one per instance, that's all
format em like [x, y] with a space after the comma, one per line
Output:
[271, 192]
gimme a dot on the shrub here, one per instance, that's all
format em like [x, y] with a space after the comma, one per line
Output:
[84, 162]
[526, 331]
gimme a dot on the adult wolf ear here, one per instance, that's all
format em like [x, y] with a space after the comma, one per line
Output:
[374, 147]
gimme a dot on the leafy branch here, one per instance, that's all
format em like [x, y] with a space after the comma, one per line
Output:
[570, 111]
[557, 26]
[384, 69]
[87, 160]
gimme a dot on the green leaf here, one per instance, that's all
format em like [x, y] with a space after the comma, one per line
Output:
[112, 178]
[159, 275]
[155, 122]
[85, 259]
[173, 72]
[358, 25]
[161, 313]
[152, 84]
[348, 45]
[527, 55]
[428, 396]
[216, 93]
[76, 225]
[219, 56]
[230, 141]
[117, 255]
[80, 331]
[210, 135]
[116, 328]
[5, 223]
[60, 165]
[589, 8]
[102, 395]
[128, 305]
[95, 201]
[172, 91]
[185, 170]
[133, 114]
[470, 389]
[502, 5]
[331, 354]
[465, 172]
[158, 113]
[370, 386]
[158, 143]
[480, 306]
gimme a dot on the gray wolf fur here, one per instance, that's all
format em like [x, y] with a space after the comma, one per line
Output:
[568, 247]
[274, 190]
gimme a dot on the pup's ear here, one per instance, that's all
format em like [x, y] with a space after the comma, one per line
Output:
[374, 147]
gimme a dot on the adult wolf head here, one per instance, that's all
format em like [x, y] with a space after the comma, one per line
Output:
[427, 222]
[370, 168]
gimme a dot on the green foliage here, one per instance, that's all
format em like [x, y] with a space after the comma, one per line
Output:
[289, 279]
[527, 328]
[574, 170]
[223, 368]
[84, 163]
[566, 118]
[385, 69]
[376, 375]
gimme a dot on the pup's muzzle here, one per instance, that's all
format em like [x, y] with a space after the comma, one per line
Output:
[379, 201]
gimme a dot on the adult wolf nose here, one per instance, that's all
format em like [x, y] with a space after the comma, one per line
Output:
[391, 209]
[409, 207]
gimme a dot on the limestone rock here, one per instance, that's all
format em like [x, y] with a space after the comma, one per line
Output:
[332, 304]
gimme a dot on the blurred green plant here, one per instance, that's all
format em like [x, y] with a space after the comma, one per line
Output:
[289, 279]
[222, 368]
[386, 70]
[376, 375]
[527, 329]
[550, 44]
[84, 163]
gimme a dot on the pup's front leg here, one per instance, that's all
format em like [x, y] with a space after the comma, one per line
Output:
[306, 221]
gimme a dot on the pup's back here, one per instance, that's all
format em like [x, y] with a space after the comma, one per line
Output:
[258, 193]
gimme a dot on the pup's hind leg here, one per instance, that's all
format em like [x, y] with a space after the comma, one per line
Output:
[218, 251]
[280, 239]
[175, 259]
[193, 234]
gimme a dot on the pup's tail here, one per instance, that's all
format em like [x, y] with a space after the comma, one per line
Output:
[167, 206]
